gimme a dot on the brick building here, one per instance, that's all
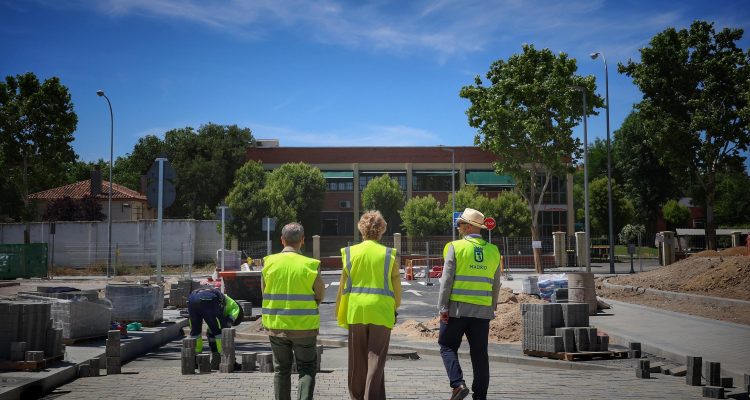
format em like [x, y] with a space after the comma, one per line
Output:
[419, 171]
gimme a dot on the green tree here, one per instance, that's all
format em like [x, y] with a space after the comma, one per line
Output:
[645, 180]
[526, 118]
[295, 192]
[129, 169]
[467, 196]
[423, 216]
[247, 202]
[696, 87]
[384, 194]
[631, 233]
[675, 214]
[37, 122]
[622, 207]
[512, 214]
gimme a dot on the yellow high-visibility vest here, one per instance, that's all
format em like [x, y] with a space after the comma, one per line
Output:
[368, 297]
[476, 263]
[288, 296]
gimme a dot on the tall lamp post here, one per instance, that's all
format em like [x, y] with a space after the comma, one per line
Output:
[585, 178]
[594, 56]
[100, 93]
[453, 188]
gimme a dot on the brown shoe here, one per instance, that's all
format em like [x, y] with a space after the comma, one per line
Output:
[459, 392]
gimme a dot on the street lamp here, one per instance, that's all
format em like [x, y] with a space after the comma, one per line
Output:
[585, 178]
[453, 187]
[594, 56]
[100, 93]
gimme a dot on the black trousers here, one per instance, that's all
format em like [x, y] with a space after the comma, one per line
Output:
[451, 335]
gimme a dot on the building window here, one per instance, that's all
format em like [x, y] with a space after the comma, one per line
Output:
[339, 181]
[553, 221]
[433, 181]
[557, 191]
[366, 177]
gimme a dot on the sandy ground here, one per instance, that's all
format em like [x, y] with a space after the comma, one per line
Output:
[505, 328]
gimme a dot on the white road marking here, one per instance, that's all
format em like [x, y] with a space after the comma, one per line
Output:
[415, 292]
[404, 283]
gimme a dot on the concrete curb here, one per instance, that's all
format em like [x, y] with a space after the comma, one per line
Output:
[709, 300]
[129, 349]
[505, 358]
[662, 351]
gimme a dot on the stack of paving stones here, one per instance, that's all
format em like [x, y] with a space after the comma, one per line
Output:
[747, 383]
[265, 362]
[248, 361]
[188, 359]
[555, 328]
[89, 368]
[228, 357]
[179, 292]
[247, 308]
[28, 322]
[644, 369]
[79, 314]
[634, 350]
[112, 352]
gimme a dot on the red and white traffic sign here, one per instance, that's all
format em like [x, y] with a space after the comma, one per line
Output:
[490, 223]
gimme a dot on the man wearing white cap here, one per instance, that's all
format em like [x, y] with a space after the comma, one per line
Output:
[469, 289]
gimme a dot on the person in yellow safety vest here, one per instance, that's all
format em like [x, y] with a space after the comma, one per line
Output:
[369, 294]
[219, 311]
[467, 301]
[292, 290]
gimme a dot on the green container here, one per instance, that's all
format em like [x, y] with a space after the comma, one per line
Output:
[23, 261]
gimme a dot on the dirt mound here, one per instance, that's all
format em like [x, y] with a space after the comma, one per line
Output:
[505, 328]
[717, 275]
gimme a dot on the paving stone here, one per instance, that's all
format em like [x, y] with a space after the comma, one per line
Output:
[34, 356]
[713, 392]
[694, 370]
[713, 373]
[727, 382]
[204, 363]
[642, 373]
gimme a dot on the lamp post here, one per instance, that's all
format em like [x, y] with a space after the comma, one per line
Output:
[100, 93]
[585, 178]
[453, 188]
[594, 56]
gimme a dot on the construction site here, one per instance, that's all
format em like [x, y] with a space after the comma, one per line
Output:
[85, 336]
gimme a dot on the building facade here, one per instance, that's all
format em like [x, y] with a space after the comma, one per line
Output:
[418, 170]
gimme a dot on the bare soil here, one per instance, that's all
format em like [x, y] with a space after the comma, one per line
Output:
[505, 328]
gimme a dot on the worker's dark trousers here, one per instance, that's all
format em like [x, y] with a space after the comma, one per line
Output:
[205, 310]
[476, 331]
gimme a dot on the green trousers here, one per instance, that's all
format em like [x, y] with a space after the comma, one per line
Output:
[301, 350]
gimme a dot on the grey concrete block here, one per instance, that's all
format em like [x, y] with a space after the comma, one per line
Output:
[713, 373]
[634, 354]
[114, 365]
[112, 348]
[95, 369]
[226, 368]
[604, 343]
[84, 370]
[187, 361]
[189, 342]
[694, 370]
[642, 373]
[248, 361]
[215, 360]
[727, 382]
[575, 315]
[644, 365]
[204, 363]
[593, 339]
[554, 344]
[634, 346]
[569, 338]
[113, 335]
[582, 339]
[17, 351]
[656, 368]
[676, 371]
[713, 392]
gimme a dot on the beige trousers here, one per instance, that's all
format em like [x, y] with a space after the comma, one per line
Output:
[368, 348]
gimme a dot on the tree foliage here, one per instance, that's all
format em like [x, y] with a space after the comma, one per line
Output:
[675, 214]
[67, 209]
[246, 201]
[526, 118]
[696, 91]
[622, 207]
[424, 216]
[384, 194]
[512, 214]
[631, 233]
[295, 193]
[37, 122]
[645, 180]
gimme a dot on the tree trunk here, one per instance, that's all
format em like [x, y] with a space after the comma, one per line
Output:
[710, 225]
[25, 195]
[538, 267]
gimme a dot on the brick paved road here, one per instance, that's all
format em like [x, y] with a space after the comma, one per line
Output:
[157, 375]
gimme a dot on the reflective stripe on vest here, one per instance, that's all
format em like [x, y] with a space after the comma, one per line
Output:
[288, 299]
[476, 264]
[367, 295]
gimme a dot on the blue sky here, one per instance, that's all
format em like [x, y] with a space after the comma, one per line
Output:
[317, 73]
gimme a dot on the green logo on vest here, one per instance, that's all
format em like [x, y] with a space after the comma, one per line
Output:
[478, 254]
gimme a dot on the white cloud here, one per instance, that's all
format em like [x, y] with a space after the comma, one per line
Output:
[445, 27]
[370, 135]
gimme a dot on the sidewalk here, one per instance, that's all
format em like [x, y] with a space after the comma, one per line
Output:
[674, 335]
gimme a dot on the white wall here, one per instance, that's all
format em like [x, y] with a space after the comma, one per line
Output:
[79, 244]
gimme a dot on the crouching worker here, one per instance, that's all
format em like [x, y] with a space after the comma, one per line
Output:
[292, 289]
[218, 311]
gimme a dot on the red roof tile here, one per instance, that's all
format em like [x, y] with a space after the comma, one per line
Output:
[81, 189]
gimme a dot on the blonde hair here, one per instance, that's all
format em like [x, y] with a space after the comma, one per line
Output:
[372, 225]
